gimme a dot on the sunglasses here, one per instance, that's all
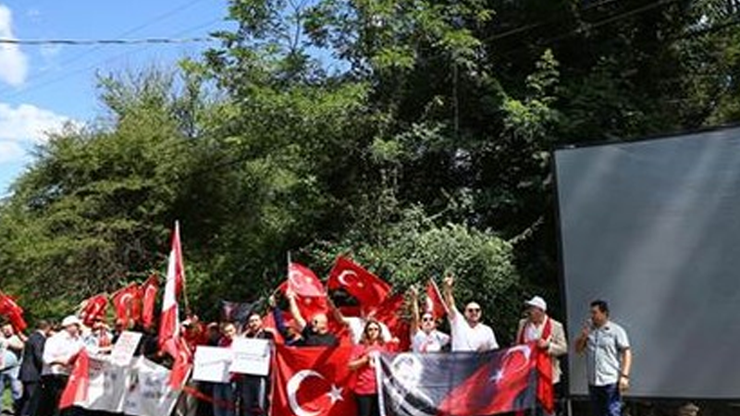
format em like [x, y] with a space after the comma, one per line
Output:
[473, 310]
[427, 319]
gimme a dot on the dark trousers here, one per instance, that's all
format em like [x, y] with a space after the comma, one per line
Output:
[367, 405]
[253, 395]
[605, 400]
[29, 404]
[52, 387]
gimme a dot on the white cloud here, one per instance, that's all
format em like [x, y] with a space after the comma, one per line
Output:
[13, 63]
[28, 123]
[10, 152]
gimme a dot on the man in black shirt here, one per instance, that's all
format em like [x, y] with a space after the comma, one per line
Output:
[315, 335]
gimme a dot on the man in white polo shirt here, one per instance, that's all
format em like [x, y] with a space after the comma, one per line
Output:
[59, 354]
[468, 332]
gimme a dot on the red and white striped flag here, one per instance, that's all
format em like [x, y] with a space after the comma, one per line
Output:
[169, 322]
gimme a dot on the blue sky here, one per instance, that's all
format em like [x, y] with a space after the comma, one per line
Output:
[43, 86]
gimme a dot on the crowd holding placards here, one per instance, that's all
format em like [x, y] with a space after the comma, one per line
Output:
[37, 368]
[45, 373]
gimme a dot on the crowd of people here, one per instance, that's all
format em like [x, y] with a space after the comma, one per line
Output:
[36, 367]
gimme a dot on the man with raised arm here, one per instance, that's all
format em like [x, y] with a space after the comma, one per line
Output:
[468, 332]
[317, 333]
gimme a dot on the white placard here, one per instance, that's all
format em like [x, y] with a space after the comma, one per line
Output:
[251, 356]
[139, 389]
[125, 348]
[212, 364]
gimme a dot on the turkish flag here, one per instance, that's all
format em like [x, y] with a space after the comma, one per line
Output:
[367, 288]
[79, 380]
[434, 303]
[10, 309]
[183, 362]
[94, 308]
[508, 382]
[148, 299]
[312, 380]
[125, 303]
[303, 282]
[307, 305]
[389, 313]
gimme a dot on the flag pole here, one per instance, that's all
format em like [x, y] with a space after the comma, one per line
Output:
[436, 289]
[184, 286]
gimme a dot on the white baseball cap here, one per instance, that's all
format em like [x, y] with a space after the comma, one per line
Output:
[71, 320]
[537, 302]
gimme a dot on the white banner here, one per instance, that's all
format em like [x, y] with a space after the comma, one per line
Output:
[125, 347]
[212, 364]
[251, 356]
[140, 389]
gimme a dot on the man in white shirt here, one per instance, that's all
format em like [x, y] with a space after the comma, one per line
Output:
[468, 332]
[11, 348]
[59, 354]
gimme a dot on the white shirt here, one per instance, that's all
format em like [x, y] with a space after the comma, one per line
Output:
[466, 338]
[603, 353]
[357, 325]
[533, 331]
[432, 342]
[10, 355]
[60, 347]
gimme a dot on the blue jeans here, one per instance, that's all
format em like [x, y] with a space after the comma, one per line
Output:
[605, 400]
[223, 399]
[16, 389]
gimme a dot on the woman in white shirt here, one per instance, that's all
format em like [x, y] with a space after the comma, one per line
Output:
[424, 334]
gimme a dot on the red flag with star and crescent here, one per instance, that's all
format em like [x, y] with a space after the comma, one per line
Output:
[307, 305]
[94, 308]
[303, 281]
[434, 303]
[148, 291]
[312, 381]
[75, 391]
[367, 288]
[126, 302]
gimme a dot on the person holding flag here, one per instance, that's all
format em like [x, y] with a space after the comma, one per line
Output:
[468, 332]
[363, 361]
[60, 351]
[317, 333]
[424, 334]
[549, 336]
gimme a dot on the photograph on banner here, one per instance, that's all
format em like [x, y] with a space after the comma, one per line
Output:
[251, 356]
[212, 364]
[148, 390]
[125, 348]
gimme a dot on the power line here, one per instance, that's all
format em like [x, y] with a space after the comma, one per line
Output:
[99, 62]
[527, 27]
[87, 51]
[82, 42]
